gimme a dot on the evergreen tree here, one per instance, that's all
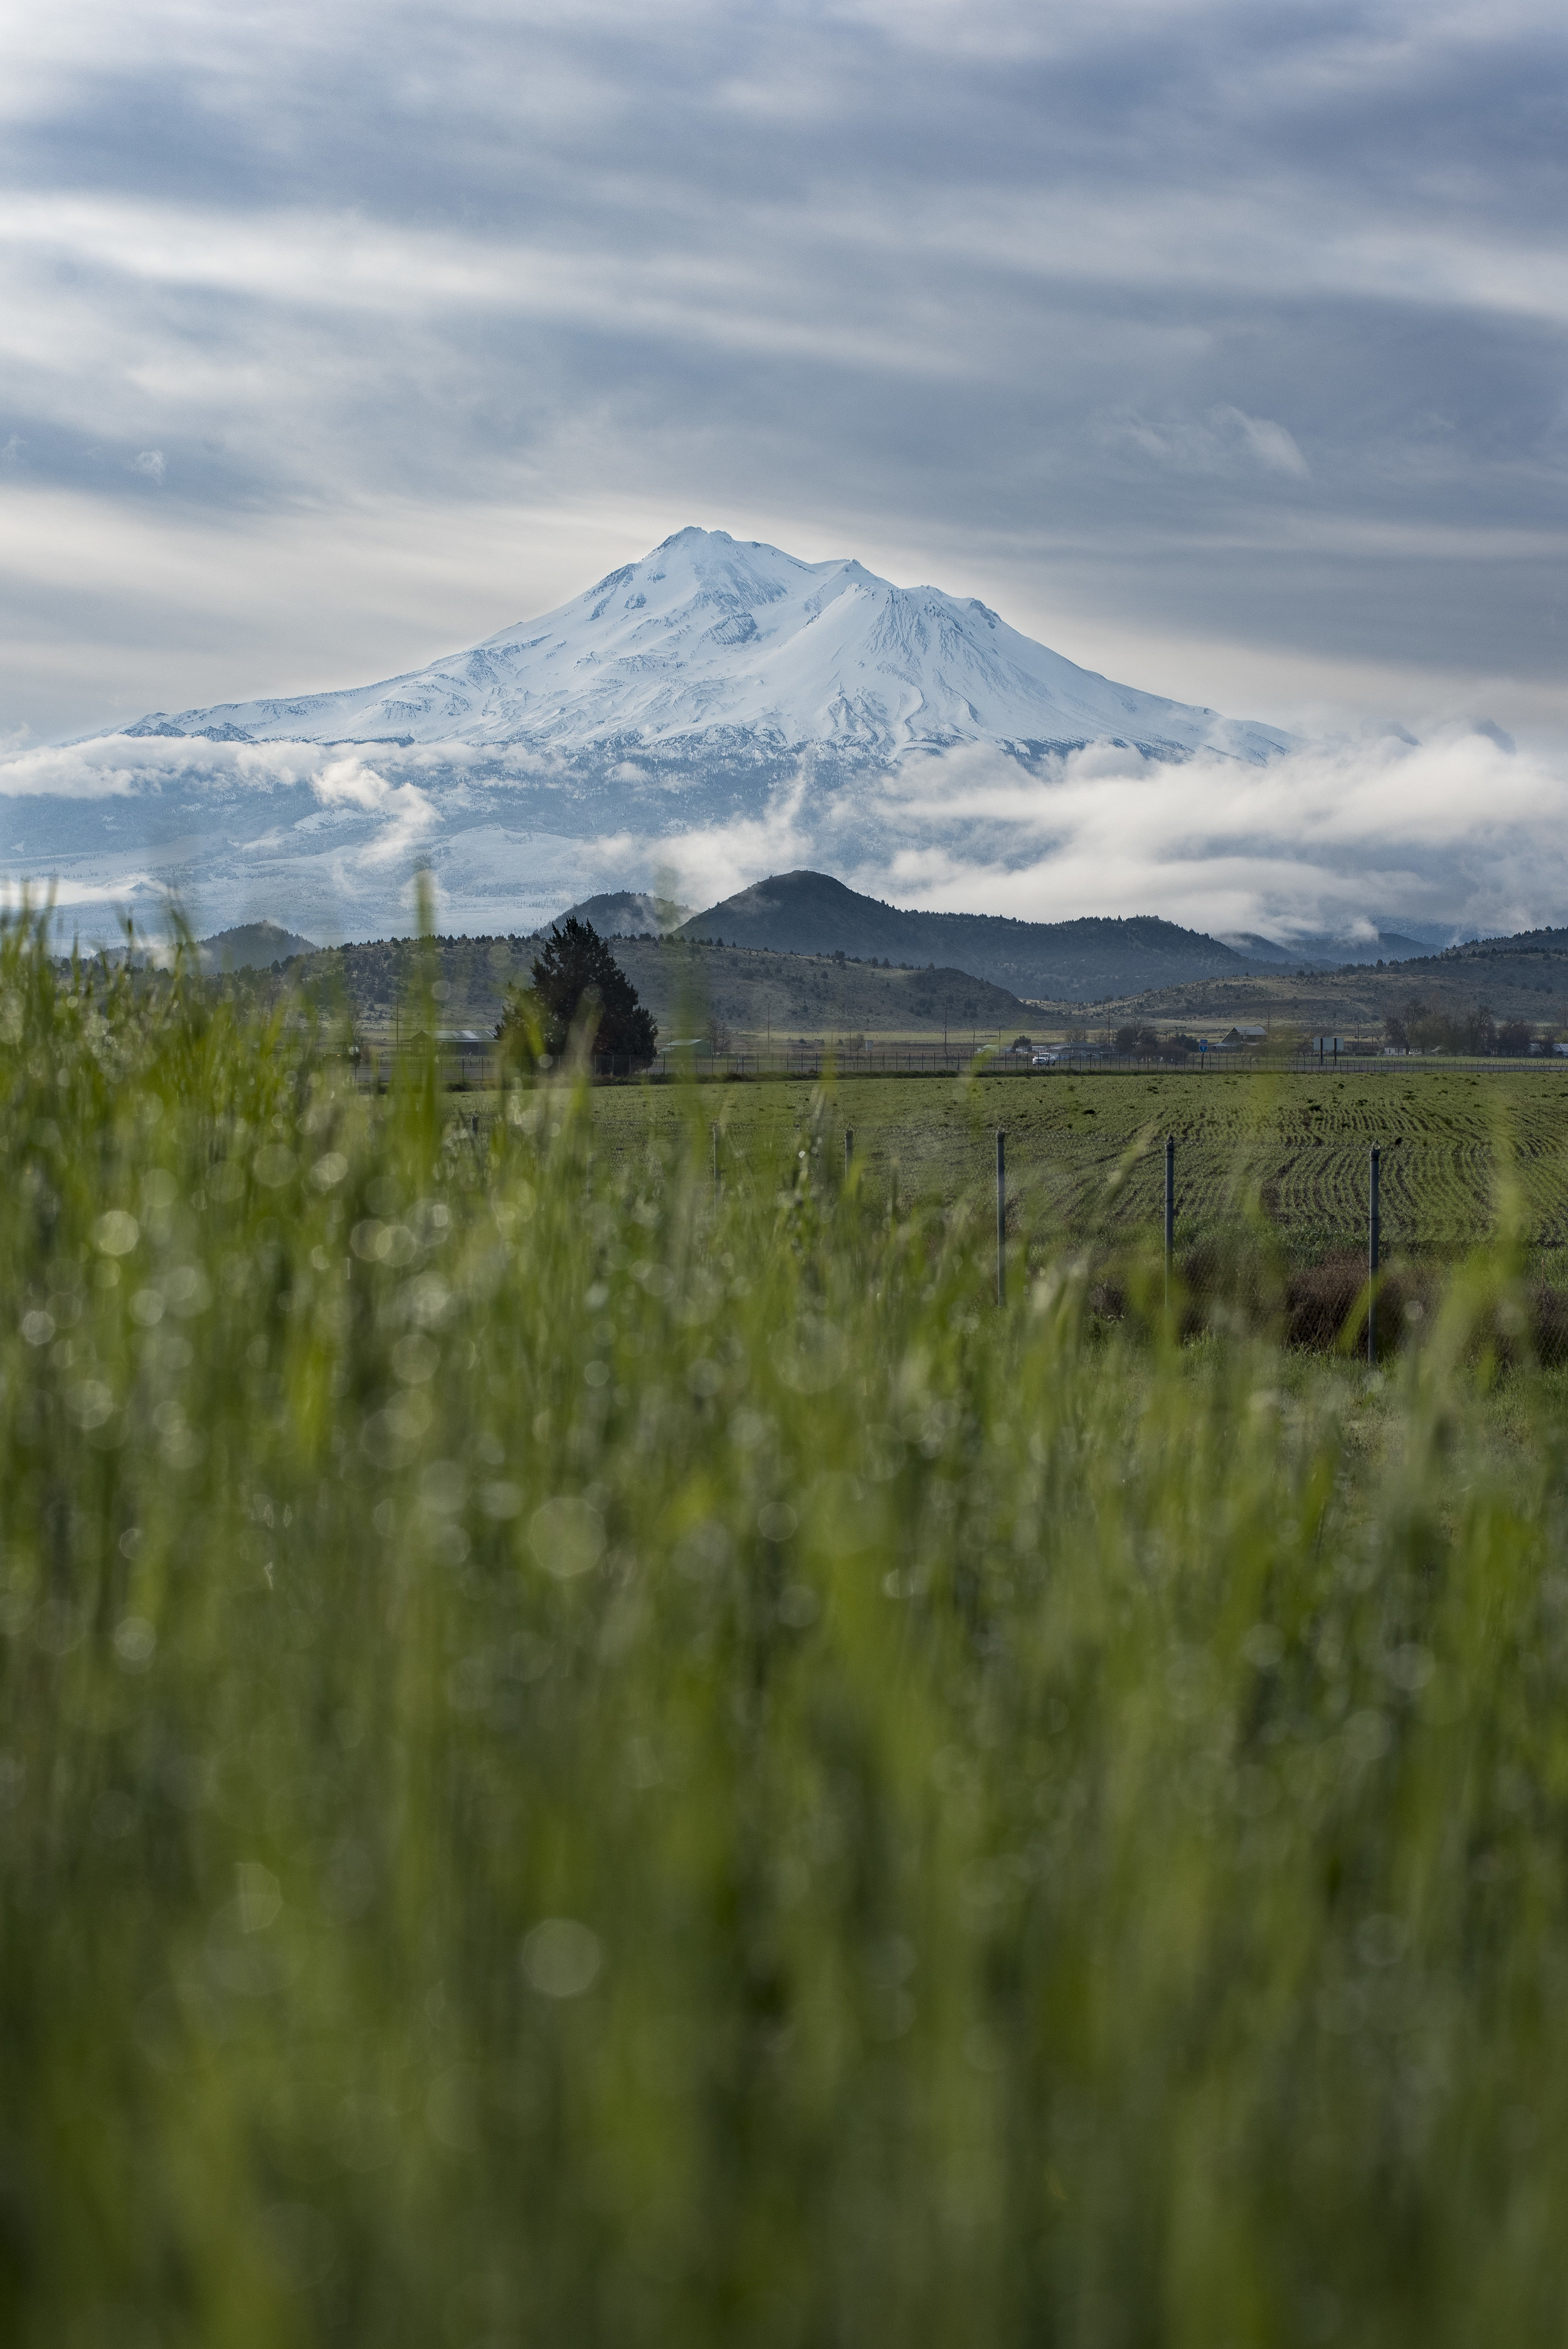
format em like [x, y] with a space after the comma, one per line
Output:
[576, 979]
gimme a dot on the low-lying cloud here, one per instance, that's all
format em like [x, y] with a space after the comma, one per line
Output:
[1458, 833]
[112, 765]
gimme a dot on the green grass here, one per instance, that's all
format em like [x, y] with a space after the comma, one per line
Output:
[1461, 1153]
[582, 1765]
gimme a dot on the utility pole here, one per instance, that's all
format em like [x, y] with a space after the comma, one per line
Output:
[1001, 1217]
[1169, 1211]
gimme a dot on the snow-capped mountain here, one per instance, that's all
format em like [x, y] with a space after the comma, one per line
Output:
[711, 639]
[716, 711]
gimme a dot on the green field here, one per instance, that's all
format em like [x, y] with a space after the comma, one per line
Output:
[1463, 1155]
[583, 1763]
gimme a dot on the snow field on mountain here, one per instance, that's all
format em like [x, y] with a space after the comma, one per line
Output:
[721, 711]
[708, 631]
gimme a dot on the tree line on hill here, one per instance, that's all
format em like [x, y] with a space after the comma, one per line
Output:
[477, 977]
[1423, 1027]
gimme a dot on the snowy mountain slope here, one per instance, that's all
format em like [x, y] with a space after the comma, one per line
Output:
[711, 636]
[717, 710]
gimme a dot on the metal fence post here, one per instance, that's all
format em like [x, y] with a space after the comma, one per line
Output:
[1169, 1210]
[1373, 1237]
[1001, 1217]
[849, 1148]
[715, 1163]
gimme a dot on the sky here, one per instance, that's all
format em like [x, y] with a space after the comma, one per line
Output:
[1221, 347]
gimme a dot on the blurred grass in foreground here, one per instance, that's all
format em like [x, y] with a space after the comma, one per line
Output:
[583, 1765]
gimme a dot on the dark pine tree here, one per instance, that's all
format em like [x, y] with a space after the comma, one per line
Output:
[576, 979]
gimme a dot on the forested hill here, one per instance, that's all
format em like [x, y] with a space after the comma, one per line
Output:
[691, 989]
[1523, 977]
[1079, 961]
[1487, 950]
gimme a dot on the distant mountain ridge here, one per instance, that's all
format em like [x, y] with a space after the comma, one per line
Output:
[1519, 942]
[1081, 961]
[627, 914]
[1324, 949]
[254, 947]
[791, 992]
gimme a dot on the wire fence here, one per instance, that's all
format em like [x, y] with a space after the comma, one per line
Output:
[1266, 1228]
[1314, 1243]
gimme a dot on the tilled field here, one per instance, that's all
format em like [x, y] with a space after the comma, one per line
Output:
[1463, 1155]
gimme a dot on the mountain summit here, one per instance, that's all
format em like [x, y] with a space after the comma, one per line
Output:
[1078, 961]
[718, 709]
[715, 641]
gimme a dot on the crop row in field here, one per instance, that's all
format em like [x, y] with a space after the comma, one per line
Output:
[1086, 1153]
[584, 1762]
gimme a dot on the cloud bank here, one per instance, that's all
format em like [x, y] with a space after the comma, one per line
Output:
[1459, 834]
[1222, 348]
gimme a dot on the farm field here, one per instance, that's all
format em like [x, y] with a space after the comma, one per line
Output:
[1462, 1153]
[587, 1762]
